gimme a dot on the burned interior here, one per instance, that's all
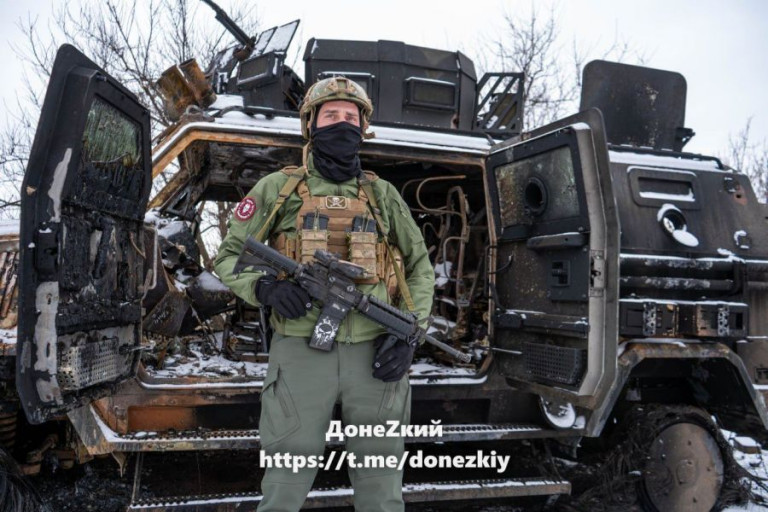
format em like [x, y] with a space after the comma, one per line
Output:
[444, 189]
[446, 199]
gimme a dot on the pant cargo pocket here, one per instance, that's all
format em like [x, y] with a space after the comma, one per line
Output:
[393, 400]
[279, 417]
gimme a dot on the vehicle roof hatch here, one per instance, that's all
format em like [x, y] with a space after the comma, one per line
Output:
[641, 106]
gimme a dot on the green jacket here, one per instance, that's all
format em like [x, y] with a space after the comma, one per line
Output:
[396, 217]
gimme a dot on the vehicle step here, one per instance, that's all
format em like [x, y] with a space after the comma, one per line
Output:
[96, 433]
[342, 496]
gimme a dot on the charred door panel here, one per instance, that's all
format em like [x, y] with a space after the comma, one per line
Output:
[555, 282]
[85, 193]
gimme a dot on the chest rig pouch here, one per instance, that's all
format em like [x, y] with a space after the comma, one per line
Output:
[341, 225]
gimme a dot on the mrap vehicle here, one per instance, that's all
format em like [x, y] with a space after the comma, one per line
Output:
[601, 277]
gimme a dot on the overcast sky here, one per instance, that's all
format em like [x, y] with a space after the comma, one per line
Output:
[717, 45]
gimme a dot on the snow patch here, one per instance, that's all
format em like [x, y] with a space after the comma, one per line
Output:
[443, 272]
[208, 281]
[57, 185]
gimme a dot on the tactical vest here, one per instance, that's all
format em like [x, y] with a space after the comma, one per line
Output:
[341, 225]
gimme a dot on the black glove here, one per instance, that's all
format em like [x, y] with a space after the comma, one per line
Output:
[289, 299]
[393, 357]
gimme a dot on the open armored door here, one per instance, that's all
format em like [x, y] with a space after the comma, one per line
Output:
[83, 200]
[555, 285]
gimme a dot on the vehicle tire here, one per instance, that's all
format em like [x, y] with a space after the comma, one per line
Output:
[16, 493]
[683, 461]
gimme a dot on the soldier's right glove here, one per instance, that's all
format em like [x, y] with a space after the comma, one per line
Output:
[286, 297]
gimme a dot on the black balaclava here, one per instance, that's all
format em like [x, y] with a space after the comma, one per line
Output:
[335, 150]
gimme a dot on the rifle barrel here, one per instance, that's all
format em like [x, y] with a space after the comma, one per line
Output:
[230, 25]
[447, 348]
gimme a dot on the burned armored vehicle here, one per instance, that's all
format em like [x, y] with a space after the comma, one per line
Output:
[599, 275]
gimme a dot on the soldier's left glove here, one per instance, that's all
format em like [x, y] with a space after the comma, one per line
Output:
[393, 357]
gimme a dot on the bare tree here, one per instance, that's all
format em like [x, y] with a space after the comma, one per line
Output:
[134, 41]
[532, 44]
[749, 157]
[14, 148]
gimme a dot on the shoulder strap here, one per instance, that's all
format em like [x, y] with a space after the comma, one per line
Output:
[365, 184]
[288, 170]
[303, 191]
[295, 176]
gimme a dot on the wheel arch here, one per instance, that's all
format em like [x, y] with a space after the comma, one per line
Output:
[710, 376]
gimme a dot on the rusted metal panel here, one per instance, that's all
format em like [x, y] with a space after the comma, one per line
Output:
[187, 135]
[197, 134]
[162, 418]
[9, 256]
[183, 86]
[99, 437]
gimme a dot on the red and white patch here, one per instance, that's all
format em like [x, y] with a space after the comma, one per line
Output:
[245, 209]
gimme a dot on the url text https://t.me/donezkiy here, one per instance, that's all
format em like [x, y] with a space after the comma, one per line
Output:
[418, 459]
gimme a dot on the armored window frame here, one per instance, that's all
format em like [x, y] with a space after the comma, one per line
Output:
[411, 99]
[637, 173]
[268, 75]
[564, 137]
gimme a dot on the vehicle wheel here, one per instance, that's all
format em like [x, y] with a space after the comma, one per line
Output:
[680, 459]
[16, 493]
[661, 458]
[685, 468]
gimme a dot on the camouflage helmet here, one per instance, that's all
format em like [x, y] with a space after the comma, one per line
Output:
[330, 89]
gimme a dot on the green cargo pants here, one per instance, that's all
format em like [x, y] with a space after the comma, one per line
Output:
[297, 400]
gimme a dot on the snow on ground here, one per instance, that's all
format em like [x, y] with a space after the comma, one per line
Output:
[754, 458]
[213, 366]
[197, 364]
[424, 366]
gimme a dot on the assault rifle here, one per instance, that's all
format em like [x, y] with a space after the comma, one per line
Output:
[330, 281]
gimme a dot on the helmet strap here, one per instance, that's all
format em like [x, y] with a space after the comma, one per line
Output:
[310, 120]
[305, 155]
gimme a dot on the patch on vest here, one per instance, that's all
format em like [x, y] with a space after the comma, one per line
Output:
[336, 202]
[245, 209]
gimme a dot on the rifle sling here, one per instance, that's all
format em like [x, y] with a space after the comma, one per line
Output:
[293, 181]
[365, 184]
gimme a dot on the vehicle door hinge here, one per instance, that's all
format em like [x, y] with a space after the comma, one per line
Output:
[47, 251]
[596, 273]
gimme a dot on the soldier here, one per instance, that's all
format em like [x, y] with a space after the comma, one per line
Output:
[329, 203]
